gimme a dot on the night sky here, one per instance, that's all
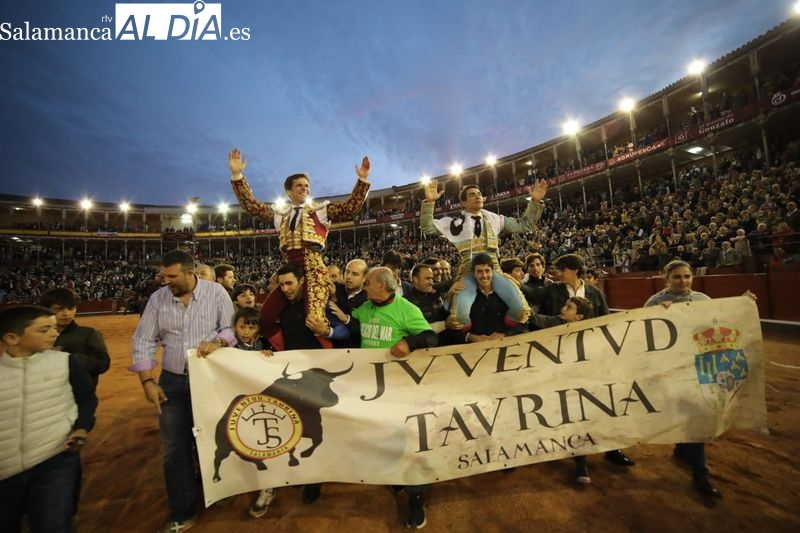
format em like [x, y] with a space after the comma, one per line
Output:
[416, 85]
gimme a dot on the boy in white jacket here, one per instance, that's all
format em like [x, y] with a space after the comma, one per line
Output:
[47, 406]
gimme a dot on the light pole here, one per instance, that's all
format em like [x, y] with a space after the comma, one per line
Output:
[571, 128]
[188, 217]
[86, 205]
[698, 67]
[491, 161]
[627, 105]
[37, 202]
[125, 207]
[456, 170]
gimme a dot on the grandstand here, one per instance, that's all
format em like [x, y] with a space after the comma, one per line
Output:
[711, 153]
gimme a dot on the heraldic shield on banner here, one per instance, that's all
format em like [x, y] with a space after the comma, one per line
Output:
[721, 365]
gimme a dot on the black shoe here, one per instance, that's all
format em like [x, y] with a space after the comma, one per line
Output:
[398, 489]
[582, 474]
[704, 486]
[416, 512]
[618, 458]
[311, 492]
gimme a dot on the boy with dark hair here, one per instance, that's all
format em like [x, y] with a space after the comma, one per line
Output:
[244, 295]
[85, 343]
[575, 308]
[46, 414]
[247, 327]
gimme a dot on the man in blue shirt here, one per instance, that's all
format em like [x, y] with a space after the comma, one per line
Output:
[186, 313]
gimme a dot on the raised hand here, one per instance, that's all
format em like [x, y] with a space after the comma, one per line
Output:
[432, 192]
[363, 172]
[538, 190]
[236, 163]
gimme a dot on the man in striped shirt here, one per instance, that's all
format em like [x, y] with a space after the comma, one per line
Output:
[186, 313]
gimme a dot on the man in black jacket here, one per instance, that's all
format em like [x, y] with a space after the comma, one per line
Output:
[424, 296]
[551, 298]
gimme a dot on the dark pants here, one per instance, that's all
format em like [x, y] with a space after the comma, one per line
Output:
[418, 489]
[694, 454]
[47, 493]
[176, 434]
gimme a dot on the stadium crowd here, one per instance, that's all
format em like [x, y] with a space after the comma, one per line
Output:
[744, 215]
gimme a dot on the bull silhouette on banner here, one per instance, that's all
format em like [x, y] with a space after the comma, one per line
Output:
[262, 426]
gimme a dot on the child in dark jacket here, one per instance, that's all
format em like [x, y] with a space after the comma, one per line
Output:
[574, 309]
[85, 343]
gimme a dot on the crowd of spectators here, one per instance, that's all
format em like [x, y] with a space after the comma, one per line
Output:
[744, 215]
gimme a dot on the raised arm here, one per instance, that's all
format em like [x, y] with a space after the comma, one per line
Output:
[432, 193]
[242, 189]
[346, 210]
[530, 218]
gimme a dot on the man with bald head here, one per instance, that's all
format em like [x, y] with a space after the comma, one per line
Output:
[350, 295]
[355, 272]
[387, 320]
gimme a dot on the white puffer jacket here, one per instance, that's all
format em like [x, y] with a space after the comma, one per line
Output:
[37, 409]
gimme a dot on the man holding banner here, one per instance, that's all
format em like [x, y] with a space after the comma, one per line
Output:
[389, 321]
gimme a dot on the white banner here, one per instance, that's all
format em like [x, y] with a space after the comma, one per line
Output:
[652, 375]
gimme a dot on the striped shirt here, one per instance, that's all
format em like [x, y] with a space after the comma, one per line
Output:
[180, 328]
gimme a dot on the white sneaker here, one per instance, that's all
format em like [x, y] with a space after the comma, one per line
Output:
[261, 505]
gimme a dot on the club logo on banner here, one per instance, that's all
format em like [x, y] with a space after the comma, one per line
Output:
[722, 365]
[260, 427]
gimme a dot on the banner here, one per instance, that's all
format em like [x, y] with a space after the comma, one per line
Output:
[652, 375]
[578, 173]
[656, 146]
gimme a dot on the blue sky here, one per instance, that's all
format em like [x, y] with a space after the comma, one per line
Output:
[416, 85]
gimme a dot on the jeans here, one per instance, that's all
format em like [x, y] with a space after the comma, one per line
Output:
[505, 289]
[47, 493]
[176, 433]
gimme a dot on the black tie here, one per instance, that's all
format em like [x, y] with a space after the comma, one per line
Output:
[477, 220]
[293, 223]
